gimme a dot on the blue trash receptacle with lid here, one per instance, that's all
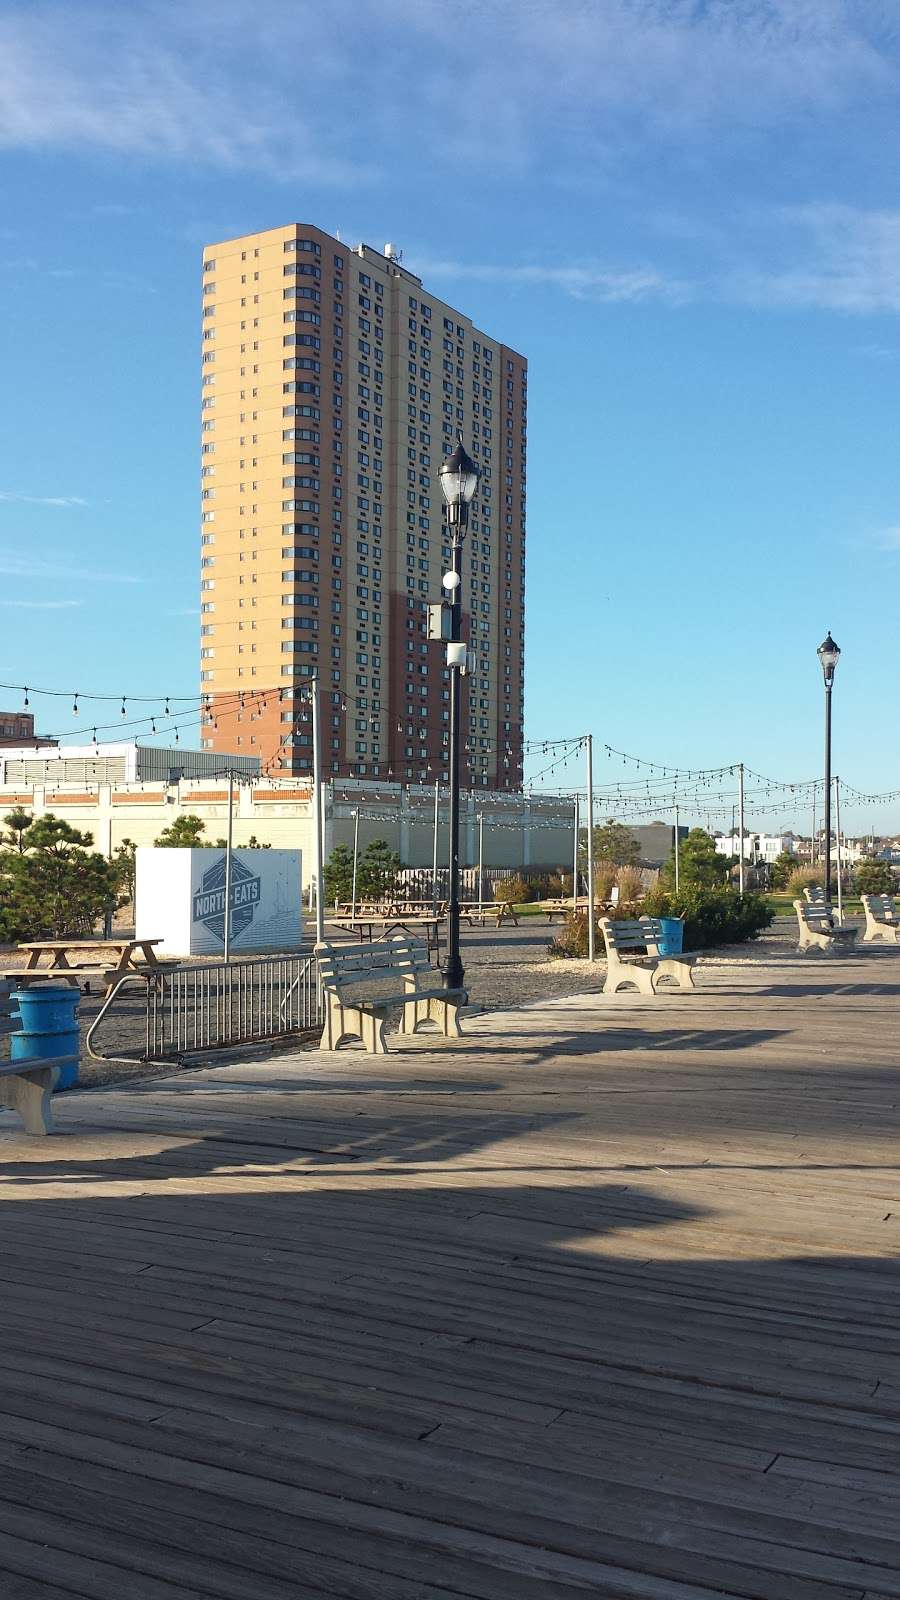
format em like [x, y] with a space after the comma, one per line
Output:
[48, 1029]
[671, 940]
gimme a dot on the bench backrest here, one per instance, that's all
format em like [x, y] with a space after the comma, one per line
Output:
[880, 906]
[815, 895]
[817, 917]
[350, 966]
[630, 935]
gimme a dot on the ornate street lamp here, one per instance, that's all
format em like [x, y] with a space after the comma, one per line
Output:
[459, 480]
[828, 654]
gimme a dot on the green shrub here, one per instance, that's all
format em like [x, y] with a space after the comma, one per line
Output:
[712, 915]
[55, 886]
[699, 862]
[515, 891]
[781, 869]
[873, 877]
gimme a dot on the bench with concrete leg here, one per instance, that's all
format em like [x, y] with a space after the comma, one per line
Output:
[882, 921]
[350, 972]
[632, 955]
[817, 929]
[25, 1086]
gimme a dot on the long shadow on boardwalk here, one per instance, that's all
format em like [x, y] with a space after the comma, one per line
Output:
[368, 1384]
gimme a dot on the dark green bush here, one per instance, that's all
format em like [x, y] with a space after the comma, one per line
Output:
[873, 877]
[711, 915]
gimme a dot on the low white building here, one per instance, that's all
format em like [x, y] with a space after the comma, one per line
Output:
[516, 831]
[758, 846]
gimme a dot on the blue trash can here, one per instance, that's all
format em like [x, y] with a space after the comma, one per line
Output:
[671, 942]
[48, 1029]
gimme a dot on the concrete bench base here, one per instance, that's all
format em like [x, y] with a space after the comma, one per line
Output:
[27, 1089]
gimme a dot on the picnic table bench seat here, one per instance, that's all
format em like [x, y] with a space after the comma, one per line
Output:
[817, 927]
[24, 977]
[496, 911]
[632, 954]
[555, 908]
[347, 971]
[25, 1086]
[882, 920]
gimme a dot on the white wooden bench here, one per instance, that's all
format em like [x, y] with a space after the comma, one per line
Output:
[882, 921]
[26, 1086]
[347, 971]
[817, 929]
[632, 954]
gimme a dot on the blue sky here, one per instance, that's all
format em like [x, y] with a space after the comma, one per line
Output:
[686, 213]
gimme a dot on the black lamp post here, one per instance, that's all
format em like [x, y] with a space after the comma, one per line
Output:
[459, 480]
[828, 653]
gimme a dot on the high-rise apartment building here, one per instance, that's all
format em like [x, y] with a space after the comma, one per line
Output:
[333, 385]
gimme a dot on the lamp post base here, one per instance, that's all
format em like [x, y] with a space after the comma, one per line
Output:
[454, 973]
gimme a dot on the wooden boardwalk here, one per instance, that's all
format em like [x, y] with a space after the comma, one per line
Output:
[603, 1300]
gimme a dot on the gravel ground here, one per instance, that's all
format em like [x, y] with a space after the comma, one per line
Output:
[505, 967]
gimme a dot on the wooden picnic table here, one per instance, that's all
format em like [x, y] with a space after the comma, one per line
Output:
[496, 911]
[118, 956]
[365, 927]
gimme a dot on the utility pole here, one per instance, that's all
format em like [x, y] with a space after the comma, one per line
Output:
[590, 845]
[741, 826]
[434, 858]
[677, 853]
[318, 818]
[575, 863]
[459, 479]
[355, 859]
[828, 654]
[228, 863]
[480, 860]
[837, 827]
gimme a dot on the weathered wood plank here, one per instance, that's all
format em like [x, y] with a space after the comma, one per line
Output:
[601, 1300]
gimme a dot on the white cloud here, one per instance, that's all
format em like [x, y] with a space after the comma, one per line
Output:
[241, 84]
[163, 82]
[819, 256]
[41, 605]
[15, 497]
[844, 259]
[36, 569]
[585, 281]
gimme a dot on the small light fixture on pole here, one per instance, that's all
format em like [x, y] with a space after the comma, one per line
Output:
[828, 654]
[459, 480]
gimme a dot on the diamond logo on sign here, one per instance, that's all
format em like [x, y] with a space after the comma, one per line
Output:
[209, 901]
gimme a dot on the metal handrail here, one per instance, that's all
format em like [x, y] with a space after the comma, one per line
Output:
[213, 1005]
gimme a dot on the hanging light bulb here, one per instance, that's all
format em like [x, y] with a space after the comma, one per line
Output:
[27, 702]
[75, 706]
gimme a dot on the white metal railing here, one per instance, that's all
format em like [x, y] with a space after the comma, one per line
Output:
[214, 1005]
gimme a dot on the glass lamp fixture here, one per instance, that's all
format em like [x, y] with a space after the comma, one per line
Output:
[828, 653]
